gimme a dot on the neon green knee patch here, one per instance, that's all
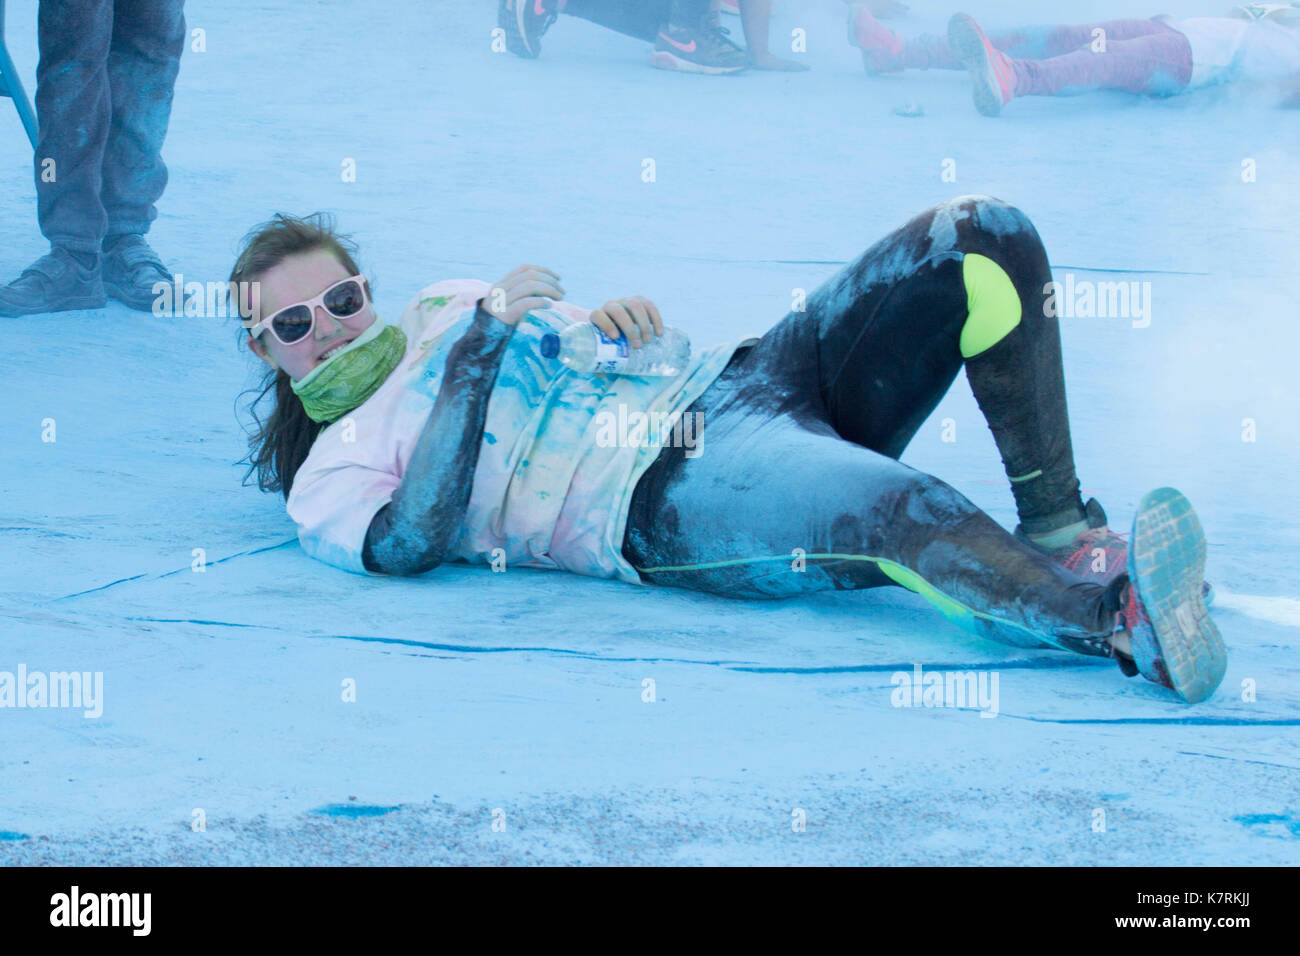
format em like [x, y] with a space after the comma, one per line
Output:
[992, 305]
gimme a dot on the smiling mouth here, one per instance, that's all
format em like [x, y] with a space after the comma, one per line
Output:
[334, 350]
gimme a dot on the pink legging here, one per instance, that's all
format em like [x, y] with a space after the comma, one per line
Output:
[1142, 56]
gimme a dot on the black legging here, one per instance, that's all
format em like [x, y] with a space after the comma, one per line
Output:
[797, 487]
[642, 19]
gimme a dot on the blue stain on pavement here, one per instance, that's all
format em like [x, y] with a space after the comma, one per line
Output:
[12, 835]
[1268, 821]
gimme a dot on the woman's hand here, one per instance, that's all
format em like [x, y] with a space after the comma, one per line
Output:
[522, 290]
[636, 317]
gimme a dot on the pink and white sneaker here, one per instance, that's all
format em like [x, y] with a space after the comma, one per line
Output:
[993, 77]
[1173, 641]
[882, 48]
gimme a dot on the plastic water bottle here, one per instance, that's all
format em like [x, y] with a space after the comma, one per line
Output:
[585, 348]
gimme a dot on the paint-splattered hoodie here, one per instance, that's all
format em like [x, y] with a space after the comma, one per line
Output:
[551, 490]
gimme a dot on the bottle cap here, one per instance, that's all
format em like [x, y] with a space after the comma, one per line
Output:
[550, 345]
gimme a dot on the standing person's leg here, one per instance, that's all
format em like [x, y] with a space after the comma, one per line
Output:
[73, 108]
[73, 111]
[148, 37]
[143, 62]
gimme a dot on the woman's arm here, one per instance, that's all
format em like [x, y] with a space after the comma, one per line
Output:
[411, 534]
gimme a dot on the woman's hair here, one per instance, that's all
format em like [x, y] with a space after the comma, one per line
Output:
[278, 444]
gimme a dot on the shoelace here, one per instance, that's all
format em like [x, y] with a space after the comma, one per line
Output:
[711, 25]
[724, 35]
[1090, 539]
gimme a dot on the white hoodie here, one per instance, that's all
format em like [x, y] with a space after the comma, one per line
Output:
[549, 490]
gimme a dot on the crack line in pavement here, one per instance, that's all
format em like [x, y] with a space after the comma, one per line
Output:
[741, 666]
[167, 574]
[1266, 763]
[1184, 721]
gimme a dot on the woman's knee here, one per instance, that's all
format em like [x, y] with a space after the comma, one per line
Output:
[1000, 220]
[979, 223]
[1005, 235]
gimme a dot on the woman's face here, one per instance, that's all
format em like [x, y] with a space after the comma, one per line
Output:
[296, 279]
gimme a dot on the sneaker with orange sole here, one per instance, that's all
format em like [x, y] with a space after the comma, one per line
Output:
[882, 48]
[1174, 642]
[993, 77]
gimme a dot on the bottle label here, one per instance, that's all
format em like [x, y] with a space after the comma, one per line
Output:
[611, 354]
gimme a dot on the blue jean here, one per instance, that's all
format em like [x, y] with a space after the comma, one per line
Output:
[103, 101]
[797, 486]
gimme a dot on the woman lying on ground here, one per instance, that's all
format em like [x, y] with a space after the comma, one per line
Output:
[1162, 56]
[450, 435]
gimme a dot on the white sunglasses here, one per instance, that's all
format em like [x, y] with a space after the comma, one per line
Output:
[294, 323]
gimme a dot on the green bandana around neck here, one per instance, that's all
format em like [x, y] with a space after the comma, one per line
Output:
[345, 380]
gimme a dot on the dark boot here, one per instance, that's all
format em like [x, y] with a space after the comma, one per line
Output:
[131, 270]
[58, 282]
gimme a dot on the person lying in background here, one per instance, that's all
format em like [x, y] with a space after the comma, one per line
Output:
[1163, 56]
[687, 34]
